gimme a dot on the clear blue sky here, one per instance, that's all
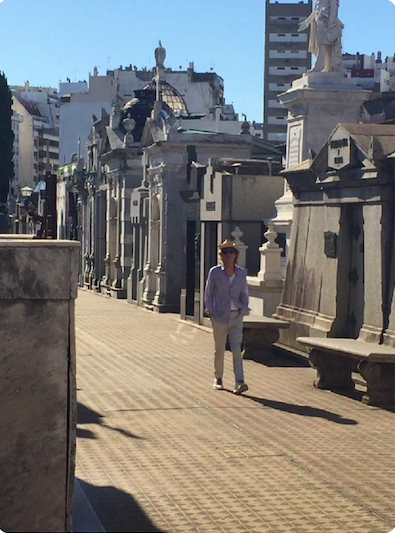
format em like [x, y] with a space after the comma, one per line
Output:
[45, 41]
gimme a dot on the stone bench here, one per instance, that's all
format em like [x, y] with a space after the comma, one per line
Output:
[259, 335]
[335, 360]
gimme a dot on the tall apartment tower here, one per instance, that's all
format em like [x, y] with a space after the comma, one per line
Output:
[286, 59]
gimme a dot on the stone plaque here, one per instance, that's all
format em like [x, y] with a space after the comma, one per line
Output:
[330, 246]
[293, 149]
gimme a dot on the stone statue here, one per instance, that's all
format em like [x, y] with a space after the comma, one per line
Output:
[160, 56]
[325, 36]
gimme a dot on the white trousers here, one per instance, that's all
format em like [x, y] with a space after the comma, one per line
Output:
[234, 329]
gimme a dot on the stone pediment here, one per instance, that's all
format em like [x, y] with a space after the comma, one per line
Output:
[152, 134]
[354, 147]
[114, 140]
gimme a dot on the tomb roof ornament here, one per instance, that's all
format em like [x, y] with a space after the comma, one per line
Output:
[160, 56]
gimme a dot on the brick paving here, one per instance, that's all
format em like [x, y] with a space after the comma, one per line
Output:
[159, 450]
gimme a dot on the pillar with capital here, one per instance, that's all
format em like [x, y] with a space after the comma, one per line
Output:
[160, 295]
[151, 268]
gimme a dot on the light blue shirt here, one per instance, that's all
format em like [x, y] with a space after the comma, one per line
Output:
[220, 293]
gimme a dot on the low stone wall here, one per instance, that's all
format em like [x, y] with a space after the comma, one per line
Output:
[38, 287]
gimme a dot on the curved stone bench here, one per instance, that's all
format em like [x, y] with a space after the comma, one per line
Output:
[334, 360]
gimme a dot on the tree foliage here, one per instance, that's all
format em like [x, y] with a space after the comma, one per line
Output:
[6, 139]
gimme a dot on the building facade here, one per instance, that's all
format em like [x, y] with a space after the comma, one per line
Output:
[16, 122]
[371, 72]
[286, 59]
[38, 132]
[202, 92]
[137, 203]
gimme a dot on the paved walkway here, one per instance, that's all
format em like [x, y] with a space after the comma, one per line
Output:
[160, 450]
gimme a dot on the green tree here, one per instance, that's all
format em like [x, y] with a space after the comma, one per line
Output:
[6, 150]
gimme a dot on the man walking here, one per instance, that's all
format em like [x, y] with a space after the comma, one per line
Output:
[226, 301]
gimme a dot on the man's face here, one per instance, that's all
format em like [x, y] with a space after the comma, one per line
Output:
[229, 256]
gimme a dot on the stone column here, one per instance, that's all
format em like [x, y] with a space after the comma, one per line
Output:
[160, 295]
[87, 269]
[107, 273]
[37, 383]
[149, 288]
[113, 237]
[92, 233]
[100, 241]
[143, 246]
[116, 285]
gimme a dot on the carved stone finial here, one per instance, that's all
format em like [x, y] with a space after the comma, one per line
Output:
[237, 235]
[245, 127]
[160, 56]
[129, 125]
[271, 236]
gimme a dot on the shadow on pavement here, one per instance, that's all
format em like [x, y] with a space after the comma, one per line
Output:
[303, 410]
[86, 415]
[275, 361]
[117, 510]
[281, 358]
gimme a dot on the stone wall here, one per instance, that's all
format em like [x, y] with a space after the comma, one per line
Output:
[38, 287]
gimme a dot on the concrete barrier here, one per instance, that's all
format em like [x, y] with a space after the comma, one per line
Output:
[38, 287]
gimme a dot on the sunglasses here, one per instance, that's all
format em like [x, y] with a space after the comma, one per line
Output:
[227, 251]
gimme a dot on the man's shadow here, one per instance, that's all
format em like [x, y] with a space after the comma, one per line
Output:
[301, 410]
[117, 510]
[86, 415]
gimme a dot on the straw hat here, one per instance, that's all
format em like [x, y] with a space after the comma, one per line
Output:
[228, 244]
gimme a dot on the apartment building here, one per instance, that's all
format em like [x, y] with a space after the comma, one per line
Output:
[286, 59]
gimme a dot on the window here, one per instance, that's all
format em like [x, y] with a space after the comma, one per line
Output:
[281, 35]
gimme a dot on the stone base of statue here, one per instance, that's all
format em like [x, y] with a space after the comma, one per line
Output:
[317, 102]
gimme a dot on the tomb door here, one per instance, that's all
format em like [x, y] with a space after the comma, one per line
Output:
[356, 300]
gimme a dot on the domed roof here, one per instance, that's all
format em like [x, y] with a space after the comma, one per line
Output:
[139, 109]
[131, 103]
[170, 96]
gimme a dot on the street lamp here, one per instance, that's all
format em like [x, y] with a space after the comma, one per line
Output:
[26, 191]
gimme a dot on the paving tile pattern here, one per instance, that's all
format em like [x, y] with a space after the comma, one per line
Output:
[160, 450]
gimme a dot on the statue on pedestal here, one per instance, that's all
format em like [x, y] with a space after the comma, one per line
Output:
[325, 36]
